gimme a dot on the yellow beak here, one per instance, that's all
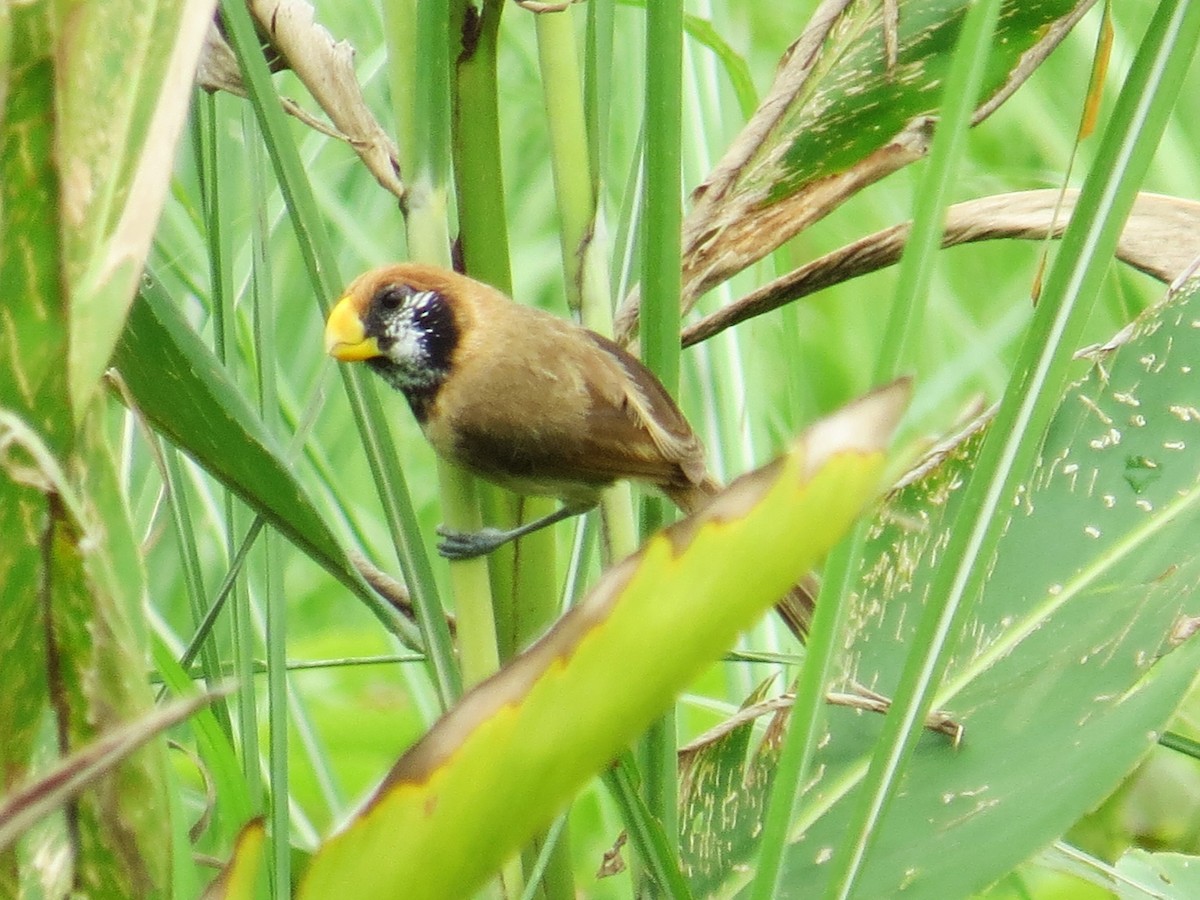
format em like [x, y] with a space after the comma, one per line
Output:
[345, 338]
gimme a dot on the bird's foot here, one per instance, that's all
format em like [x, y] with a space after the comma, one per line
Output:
[470, 544]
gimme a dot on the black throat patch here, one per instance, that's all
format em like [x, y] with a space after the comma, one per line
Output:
[418, 333]
[434, 319]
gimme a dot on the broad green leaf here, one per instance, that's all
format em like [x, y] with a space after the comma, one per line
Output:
[70, 559]
[1085, 652]
[32, 374]
[724, 785]
[32, 379]
[1079, 640]
[88, 589]
[486, 777]
[22, 641]
[1013, 450]
[99, 635]
[186, 394]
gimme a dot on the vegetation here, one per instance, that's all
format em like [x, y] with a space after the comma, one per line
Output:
[195, 499]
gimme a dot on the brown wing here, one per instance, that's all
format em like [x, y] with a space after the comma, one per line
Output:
[637, 418]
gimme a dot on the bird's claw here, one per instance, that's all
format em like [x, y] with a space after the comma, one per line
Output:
[458, 545]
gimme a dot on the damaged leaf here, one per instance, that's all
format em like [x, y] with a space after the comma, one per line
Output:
[1075, 641]
[838, 118]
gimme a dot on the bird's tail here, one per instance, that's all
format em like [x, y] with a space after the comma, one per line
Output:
[797, 605]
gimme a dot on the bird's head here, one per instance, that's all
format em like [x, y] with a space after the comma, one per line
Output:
[401, 321]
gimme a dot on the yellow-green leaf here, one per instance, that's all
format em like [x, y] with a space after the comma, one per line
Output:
[502, 762]
[239, 879]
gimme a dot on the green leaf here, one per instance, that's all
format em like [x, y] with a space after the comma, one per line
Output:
[32, 375]
[239, 880]
[321, 263]
[724, 785]
[736, 69]
[32, 378]
[486, 777]
[1166, 876]
[1074, 644]
[214, 746]
[1010, 455]
[70, 155]
[184, 391]
[87, 589]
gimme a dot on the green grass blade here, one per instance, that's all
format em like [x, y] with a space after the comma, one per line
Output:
[236, 799]
[368, 414]
[663, 215]
[734, 64]
[181, 521]
[656, 851]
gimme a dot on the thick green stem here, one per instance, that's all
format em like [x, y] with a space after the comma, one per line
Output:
[661, 286]
[569, 162]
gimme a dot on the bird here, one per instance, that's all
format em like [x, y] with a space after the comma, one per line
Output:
[523, 399]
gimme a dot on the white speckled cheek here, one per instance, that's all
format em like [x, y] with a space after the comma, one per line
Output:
[406, 342]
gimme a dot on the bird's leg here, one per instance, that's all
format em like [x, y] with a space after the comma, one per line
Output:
[469, 544]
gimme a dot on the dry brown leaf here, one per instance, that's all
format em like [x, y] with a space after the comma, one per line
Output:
[219, 71]
[326, 68]
[1161, 238]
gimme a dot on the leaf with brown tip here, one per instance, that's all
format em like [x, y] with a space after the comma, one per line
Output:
[488, 774]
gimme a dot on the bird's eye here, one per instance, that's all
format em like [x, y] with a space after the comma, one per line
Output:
[393, 296]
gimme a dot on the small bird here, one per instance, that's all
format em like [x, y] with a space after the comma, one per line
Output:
[523, 399]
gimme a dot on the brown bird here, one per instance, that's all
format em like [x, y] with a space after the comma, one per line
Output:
[523, 399]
